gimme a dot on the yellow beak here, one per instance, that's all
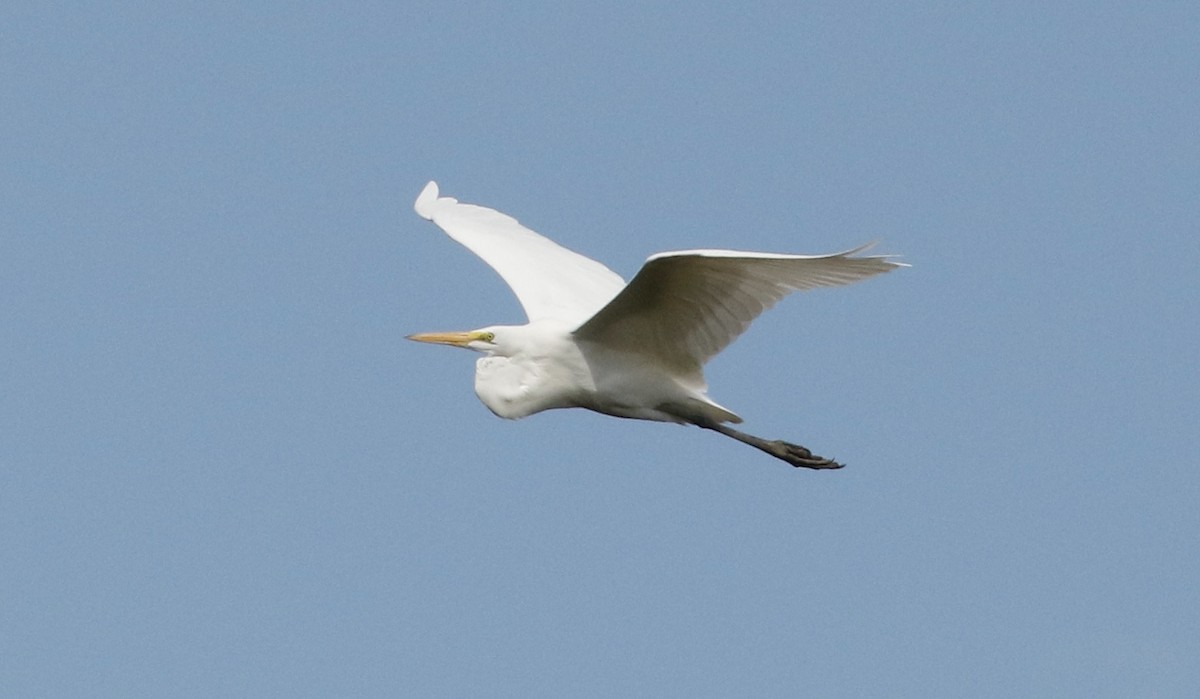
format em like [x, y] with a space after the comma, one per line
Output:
[456, 339]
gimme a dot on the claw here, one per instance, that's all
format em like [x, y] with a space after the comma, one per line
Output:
[800, 457]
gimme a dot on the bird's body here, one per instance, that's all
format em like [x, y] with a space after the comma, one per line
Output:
[632, 350]
[544, 367]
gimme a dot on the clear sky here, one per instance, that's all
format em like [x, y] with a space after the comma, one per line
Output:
[224, 472]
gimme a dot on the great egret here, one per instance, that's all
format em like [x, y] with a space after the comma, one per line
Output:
[632, 350]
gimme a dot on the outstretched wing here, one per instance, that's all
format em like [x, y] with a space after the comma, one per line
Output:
[684, 307]
[550, 281]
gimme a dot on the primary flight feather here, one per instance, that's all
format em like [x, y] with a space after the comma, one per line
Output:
[633, 350]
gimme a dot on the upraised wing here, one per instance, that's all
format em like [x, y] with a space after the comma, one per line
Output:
[684, 307]
[550, 281]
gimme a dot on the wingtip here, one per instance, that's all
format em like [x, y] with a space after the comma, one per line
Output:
[889, 259]
[425, 200]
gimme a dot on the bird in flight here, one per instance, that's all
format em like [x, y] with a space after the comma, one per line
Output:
[633, 350]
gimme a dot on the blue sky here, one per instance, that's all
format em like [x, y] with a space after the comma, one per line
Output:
[223, 472]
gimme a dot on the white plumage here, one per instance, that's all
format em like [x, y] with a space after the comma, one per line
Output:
[632, 350]
[550, 281]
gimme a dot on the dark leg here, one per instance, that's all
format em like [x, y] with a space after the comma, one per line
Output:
[794, 454]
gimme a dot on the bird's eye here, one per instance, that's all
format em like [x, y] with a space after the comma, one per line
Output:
[488, 337]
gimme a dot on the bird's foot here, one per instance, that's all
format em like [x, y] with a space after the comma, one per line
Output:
[800, 457]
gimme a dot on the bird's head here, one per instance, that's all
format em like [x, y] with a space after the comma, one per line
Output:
[482, 340]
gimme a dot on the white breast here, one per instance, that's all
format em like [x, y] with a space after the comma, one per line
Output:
[514, 387]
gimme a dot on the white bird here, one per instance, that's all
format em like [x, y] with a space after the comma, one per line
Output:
[633, 350]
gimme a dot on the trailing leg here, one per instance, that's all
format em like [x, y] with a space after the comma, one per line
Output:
[794, 454]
